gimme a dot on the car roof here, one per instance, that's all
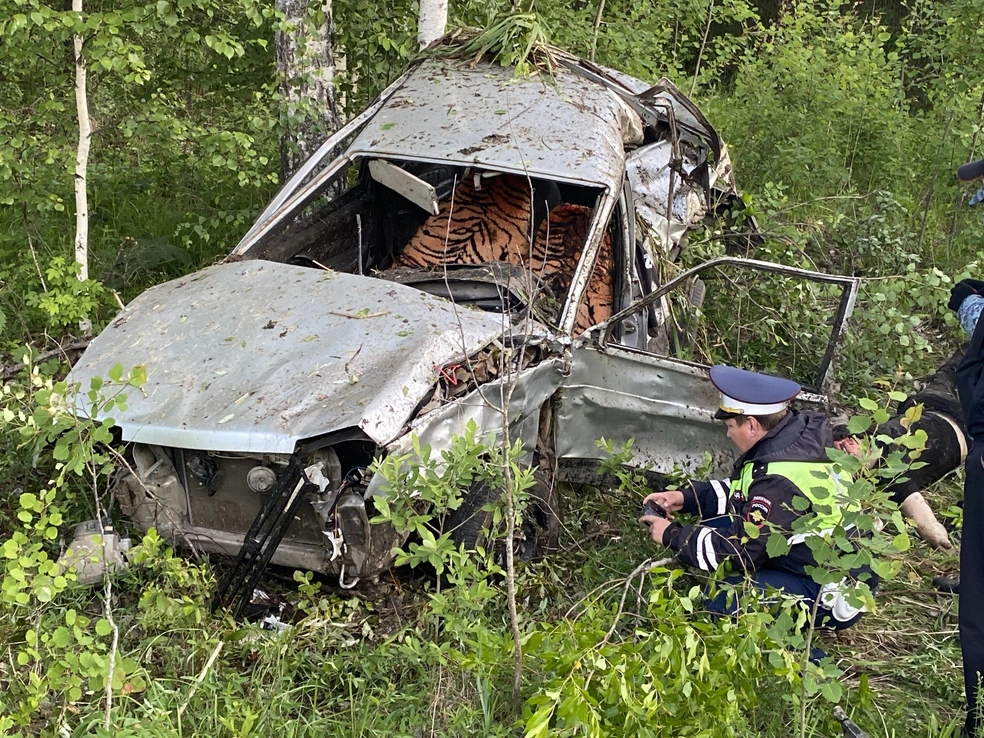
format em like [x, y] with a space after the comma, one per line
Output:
[562, 127]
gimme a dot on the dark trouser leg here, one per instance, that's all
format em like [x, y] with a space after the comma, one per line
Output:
[971, 616]
[727, 602]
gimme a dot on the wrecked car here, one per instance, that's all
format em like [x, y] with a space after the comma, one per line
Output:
[475, 230]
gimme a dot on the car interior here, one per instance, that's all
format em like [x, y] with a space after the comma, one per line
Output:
[491, 240]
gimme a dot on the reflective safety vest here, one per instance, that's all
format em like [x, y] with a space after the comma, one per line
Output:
[816, 480]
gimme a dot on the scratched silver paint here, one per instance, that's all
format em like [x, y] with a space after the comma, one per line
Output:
[667, 406]
[532, 387]
[255, 356]
[446, 112]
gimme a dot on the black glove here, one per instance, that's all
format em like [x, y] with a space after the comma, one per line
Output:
[962, 290]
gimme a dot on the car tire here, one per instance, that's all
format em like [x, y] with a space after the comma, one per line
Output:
[540, 529]
[469, 524]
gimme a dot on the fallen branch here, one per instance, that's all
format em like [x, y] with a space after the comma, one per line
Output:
[10, 370]
[647, 564]
[359, 316]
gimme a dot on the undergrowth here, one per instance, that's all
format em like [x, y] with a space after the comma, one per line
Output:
[613, 644]
[844, 127]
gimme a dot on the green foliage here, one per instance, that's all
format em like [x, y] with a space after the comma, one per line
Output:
[177, 594]
[869, 529]
[422, 490]
[633, 478]
[60, 653]
[155, 73]
[677, 673]
[517, 40]
[377, 47]
[820, 94]
[66, 299]
[618, 464]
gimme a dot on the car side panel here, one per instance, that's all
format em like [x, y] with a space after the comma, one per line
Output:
[665, 405]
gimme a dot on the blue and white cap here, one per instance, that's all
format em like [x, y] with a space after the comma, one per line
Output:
[750, 393]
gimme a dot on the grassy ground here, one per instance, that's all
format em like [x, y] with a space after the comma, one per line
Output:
[902, 662]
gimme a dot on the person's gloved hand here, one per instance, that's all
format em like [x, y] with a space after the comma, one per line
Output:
[962, 290]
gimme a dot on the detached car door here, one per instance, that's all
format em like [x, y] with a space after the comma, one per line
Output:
[752, 314]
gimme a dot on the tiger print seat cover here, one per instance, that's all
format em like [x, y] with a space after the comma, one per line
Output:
[492, 224]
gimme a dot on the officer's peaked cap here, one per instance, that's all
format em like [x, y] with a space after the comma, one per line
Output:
[750, 393]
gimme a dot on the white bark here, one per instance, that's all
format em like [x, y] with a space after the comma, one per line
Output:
[81, 165]
[432, 21]
[305, 59]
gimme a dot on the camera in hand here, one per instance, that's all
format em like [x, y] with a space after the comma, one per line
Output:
[651, 508]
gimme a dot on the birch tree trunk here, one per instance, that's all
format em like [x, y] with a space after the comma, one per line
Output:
[431, 22]
[81, 166]
[306, 62]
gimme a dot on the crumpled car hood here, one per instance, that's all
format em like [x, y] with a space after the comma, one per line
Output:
[254, 356]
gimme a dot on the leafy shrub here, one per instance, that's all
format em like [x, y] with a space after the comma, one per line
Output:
[67, 299]
[61, 652]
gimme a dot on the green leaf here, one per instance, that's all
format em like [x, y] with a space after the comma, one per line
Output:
[776, 545]
[61, 637]
[103, 628]
[116, 373]
[831, 691]
[858, 424]
[138, 375]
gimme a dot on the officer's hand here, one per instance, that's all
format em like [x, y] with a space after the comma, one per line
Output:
[962, 290]
[656, 527]
[849, 445]
[670, 500]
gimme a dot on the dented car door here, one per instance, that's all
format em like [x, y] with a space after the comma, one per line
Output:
[619, 390]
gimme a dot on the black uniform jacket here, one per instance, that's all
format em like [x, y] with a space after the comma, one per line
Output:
[971, 387]
[800, 436]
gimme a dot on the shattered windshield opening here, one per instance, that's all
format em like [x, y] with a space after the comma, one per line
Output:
[492, 240]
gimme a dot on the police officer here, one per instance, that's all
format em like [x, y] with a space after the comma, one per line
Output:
[781, 451]
[966, 299]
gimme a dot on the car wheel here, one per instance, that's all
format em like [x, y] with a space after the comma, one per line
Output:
[469, 524]
[538, 533]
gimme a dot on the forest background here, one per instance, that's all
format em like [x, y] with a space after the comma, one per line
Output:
[845, 123]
